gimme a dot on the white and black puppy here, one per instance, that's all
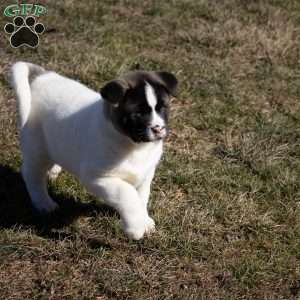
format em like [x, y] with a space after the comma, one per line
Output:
[112, 140]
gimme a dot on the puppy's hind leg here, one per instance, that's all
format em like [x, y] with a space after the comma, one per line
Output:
[35, 176]
[34, 169]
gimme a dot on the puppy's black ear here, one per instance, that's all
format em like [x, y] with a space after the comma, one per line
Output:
[169, 81]
[114, 91]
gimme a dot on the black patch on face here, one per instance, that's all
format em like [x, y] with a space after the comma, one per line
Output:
[131, 113]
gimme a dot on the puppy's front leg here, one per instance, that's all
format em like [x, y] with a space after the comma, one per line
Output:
[125, 199]
[144, 188]
[144, 193]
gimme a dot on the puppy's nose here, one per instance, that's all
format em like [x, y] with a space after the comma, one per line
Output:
[157, 129]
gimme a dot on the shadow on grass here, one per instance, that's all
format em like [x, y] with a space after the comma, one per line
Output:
[16, 208]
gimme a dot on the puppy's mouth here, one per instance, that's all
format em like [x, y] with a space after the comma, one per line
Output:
[150, 135]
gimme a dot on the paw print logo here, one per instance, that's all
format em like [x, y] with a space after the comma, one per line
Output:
[24, 32]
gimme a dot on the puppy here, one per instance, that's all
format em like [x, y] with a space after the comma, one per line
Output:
[112, 140]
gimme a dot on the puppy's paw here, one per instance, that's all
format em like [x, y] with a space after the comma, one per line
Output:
[135, 233]
[54, 172]
[150, 226]
[138, 230]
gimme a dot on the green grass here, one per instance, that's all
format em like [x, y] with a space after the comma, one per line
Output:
[226, 197]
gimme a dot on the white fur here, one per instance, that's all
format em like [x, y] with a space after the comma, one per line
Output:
[152, 101]
[156, 120]
[151, 97]
[63, 123]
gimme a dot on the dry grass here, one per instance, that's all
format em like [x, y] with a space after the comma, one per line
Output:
[226, 197]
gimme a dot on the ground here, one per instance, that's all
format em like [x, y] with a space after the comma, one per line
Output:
[226, 197]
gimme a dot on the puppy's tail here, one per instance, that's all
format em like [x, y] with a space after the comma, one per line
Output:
[22, 74]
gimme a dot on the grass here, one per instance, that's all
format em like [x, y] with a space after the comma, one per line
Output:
[226, 197]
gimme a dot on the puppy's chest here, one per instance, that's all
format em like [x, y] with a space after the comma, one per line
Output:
[138, 165]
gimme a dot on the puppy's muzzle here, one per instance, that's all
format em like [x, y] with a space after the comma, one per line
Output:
[159, 131]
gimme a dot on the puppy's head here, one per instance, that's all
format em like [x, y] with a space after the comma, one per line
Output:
[139, 104]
